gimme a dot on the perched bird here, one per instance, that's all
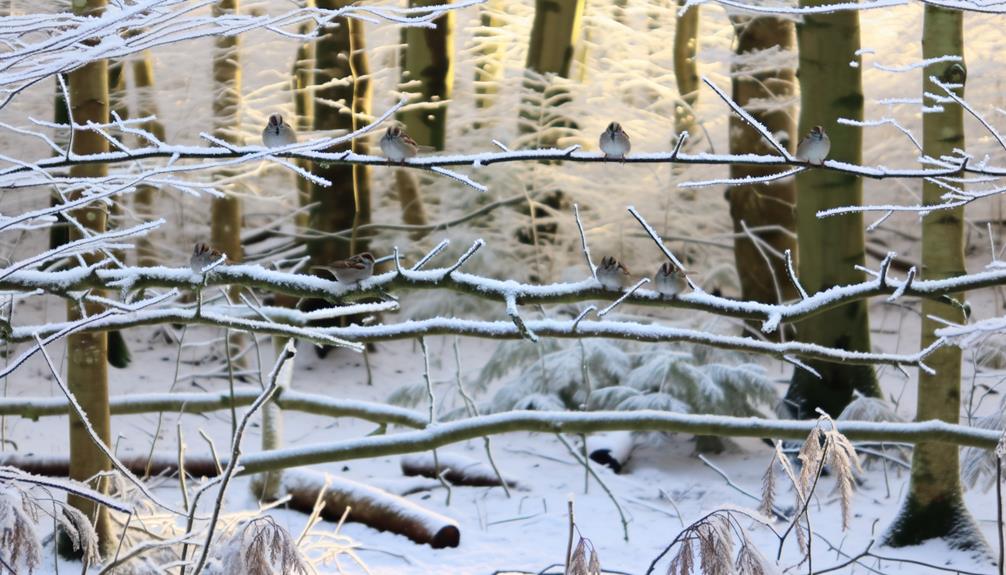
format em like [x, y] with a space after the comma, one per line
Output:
[615, 142]
[278, 133]
[397, 145]
[814, 147]
[669, 280]
[612, 274]
[352, 270]
[203, 256]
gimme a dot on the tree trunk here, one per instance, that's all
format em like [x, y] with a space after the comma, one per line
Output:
[830, 248]
[428, 69]
[686, 71]
[934, 507]
[266, 486]
[764, 93]
[146, 195]
[87, 370]
[554, 40]
[346, 204]
[303, 80]
[226, 211]
[489, 61]
[427, 63]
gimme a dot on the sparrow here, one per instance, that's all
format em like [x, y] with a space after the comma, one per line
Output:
[669, 280]
[278, 133]
[397, 145]
[614, 142]
[352, 270]
[814, 147]
[203, 256]
[611, 274]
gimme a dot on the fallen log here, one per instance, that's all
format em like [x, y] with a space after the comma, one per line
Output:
[457, 469]
[371, 506]
[368, 505]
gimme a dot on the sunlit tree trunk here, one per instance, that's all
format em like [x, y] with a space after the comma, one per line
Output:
[686, 70]
[831, 248]
[146, 195]
[118, 351]
[555, 37]
[346, 202]
[489, 62]
[764, 92]
[303, 80]
[934, 507]
[226, 211]
[266, 485]
[87, 370]
[427, 70]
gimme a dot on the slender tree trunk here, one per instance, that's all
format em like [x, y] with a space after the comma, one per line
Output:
[427, 61]
[831, 248]
[554, 40]
[303, 80]
[266, 486]
[686, 71]
[347, 202]
[146, 195]
[765, 94]
[934, 507]
[489, 61]
[118, 350]
[87, 370]
[226, 211]
[428, 69]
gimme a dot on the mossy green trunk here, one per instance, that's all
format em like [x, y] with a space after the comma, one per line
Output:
[762, 92]
[934, 507]
[146, 195]
[428, 72]
[831, 248]
[554, 38]
[87, 370]
[303, 98]
[226, 211]
[686, 70]
[490, 54]
[345, 203]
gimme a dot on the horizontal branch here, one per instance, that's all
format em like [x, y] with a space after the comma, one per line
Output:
[301, 285]
[316, 404]
[443, 434]
[309, 151]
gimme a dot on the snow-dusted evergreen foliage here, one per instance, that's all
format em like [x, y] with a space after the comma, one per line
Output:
[607, 375]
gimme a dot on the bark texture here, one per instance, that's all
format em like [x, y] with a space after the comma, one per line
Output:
[831, 248]
[934, 506]
[766, 93]
[87, 369]
[346, 203]
[686, 70]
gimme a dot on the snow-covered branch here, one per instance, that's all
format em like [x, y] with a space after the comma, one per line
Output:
[40, 46]
[592, 422]
[254, 276]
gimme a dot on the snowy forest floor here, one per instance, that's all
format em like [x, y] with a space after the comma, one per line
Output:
[528, 531]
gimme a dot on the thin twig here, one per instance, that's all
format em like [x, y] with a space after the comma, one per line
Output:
[286, 355]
